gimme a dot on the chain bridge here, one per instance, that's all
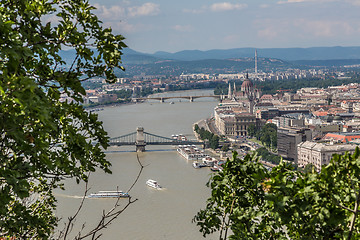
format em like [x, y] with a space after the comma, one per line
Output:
[140, 139]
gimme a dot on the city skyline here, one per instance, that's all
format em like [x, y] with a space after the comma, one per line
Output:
[159, 25]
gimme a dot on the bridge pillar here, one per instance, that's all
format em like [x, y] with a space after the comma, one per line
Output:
[140, 140]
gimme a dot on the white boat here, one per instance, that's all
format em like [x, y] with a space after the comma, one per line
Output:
[198, 165]
[153, 184]
[109, 194]
[209, 161]
[190, 152]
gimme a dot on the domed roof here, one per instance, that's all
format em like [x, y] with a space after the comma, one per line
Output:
[247, 84]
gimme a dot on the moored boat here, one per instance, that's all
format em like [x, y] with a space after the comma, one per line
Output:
[190, 152]
[198, 165]
[209, 161]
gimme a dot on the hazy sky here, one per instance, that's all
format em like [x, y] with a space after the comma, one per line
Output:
[175, 25]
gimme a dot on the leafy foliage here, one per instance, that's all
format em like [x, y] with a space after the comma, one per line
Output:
[284, 204]
[43, 139]
[207, 135]
[267, 156]
[267, 134]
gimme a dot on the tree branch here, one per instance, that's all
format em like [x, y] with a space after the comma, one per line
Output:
[107, 217]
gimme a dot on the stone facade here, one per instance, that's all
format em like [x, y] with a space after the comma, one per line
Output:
[320, 154]
[235, 124]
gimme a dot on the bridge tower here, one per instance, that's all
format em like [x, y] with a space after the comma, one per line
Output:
[140, 140]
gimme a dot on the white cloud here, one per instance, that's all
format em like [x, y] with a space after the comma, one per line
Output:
[226, 6]
[119, 12]
[183, 28]
[306, 29]
[295, 1]
[112, 12]
[217, 7]
[147, 9]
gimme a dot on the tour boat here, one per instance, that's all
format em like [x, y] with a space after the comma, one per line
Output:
[153, 184]
[109, 194]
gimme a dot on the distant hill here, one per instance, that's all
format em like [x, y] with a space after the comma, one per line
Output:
[327, 63]
[208, 66]
[232, 60]
[287, 54]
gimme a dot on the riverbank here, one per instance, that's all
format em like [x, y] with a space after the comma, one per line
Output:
[217, 154]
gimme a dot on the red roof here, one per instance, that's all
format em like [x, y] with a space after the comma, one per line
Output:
[320, 113]
[341, 137]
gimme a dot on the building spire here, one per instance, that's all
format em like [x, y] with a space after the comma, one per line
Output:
[256, 67]
[229, 92]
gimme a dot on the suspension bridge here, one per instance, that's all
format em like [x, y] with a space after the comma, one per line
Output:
[140, 139]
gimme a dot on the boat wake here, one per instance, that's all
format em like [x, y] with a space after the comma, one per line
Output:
[68, 196]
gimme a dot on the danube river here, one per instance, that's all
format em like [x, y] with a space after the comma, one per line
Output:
[157, 214]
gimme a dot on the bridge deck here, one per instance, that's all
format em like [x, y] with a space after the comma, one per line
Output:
[156, 143]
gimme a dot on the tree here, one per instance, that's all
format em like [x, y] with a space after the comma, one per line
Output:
[214, 142]
[225, 147]
[309, 168]
[196, 128]
[284, 204]
[268, 135]
[44, 139]
[251, 130]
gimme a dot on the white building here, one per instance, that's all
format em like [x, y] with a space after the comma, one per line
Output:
[319, 154]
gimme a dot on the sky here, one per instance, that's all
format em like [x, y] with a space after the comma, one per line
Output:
[175, 25]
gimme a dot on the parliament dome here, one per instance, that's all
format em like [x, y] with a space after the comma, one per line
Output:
[247, 84]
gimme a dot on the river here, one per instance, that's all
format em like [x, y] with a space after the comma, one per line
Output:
[157, 214]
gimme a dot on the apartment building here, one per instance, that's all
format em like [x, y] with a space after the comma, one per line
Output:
[288, 140]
